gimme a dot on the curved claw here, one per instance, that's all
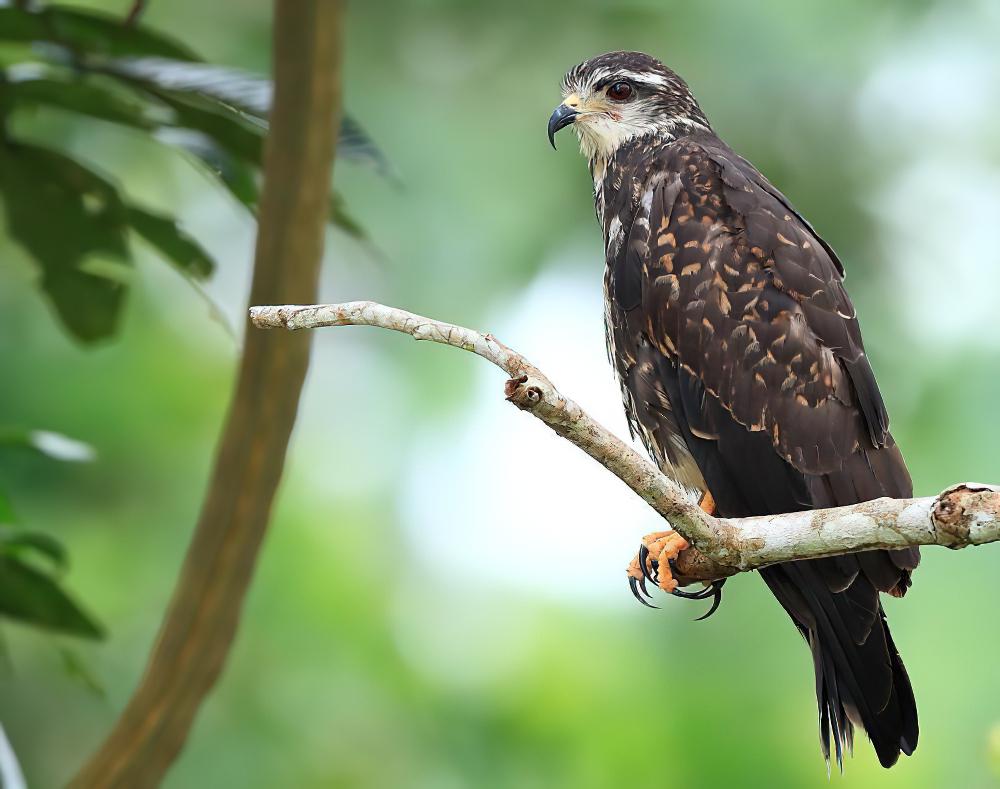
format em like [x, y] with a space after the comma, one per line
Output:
[702, 594]
[642, 585]
[635, 584]
[643, 556]
[716, 589]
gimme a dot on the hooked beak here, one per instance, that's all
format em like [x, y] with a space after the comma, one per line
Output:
[562, 117]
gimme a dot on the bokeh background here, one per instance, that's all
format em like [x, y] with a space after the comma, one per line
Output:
[441, 601]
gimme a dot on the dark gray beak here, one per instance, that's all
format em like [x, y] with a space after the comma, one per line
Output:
[562, 117]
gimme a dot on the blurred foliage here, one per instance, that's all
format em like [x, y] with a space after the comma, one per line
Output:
[363, 659]
[31, 562]
[100, 66]
[75, 223]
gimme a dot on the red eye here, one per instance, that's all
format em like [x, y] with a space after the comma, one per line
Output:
[620, 91]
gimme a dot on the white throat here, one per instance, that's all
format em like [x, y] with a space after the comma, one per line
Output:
[601, 135]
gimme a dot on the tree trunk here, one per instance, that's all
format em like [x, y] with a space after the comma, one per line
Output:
[200, 624]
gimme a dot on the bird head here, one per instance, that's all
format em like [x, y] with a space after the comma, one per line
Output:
[616, 97]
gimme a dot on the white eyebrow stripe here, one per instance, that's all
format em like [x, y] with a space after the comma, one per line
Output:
[645, 78]
[642, 78]
[588, 80]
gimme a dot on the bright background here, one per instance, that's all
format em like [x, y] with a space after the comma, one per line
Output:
[441, 601]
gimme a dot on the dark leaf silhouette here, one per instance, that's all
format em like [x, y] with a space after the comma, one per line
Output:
[31, 596]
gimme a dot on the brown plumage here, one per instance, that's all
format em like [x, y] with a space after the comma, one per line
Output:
[744, 373]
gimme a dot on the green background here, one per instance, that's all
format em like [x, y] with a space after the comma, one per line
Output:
[397, 635]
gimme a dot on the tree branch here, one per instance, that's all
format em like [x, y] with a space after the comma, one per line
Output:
[965, 514]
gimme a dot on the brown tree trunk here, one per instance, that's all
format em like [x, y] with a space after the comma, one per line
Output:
[200, 624]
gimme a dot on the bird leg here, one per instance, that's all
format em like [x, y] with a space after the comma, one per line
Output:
[655, 562]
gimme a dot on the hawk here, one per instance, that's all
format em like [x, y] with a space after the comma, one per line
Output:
[743, 371]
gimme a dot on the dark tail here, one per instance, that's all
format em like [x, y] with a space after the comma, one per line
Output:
[860, 678]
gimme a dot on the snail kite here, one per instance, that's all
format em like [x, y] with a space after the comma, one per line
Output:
[743, 371]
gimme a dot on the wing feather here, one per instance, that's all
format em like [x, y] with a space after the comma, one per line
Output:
[738, 347]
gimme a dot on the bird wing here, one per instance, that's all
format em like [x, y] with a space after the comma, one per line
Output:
[730, 325]
[718, 277]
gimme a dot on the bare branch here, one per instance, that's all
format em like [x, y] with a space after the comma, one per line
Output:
[965, 514]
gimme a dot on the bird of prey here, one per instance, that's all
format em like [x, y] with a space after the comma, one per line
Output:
[743, 371]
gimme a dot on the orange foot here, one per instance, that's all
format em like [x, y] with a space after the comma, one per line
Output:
[653, 563]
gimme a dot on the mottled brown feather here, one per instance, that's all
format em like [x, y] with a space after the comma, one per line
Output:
[741, 359]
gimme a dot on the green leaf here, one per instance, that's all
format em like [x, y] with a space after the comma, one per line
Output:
[356, 145]
[85, 97]
[218, 137]
[87, 31]
[69, 219]
[135, 79]
[233, 88]
[239, 96]
[227, 106]
[28, 595]
[230, 129]
[174, 244]
[21, 543]
[236, 175]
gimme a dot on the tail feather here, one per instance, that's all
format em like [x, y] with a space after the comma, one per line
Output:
[860, 678]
